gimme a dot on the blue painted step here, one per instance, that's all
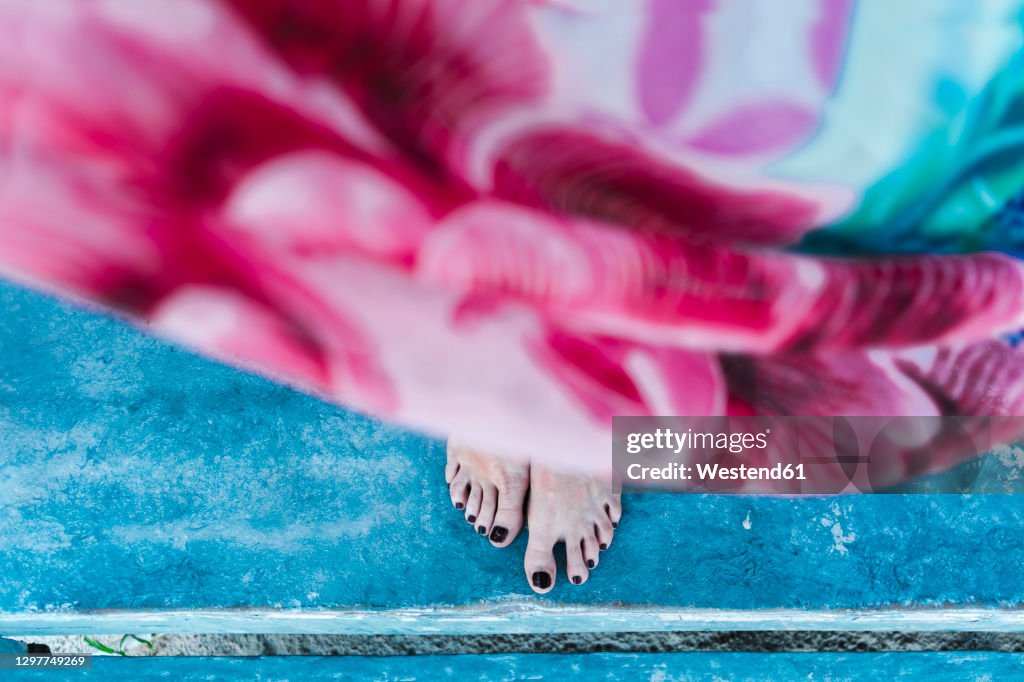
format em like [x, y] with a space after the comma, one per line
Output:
[139, 476]
[691, 667]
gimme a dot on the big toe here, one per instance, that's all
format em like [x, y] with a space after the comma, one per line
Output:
[508, 521]
[540, 564]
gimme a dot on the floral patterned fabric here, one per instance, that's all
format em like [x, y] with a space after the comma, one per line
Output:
[510, 221]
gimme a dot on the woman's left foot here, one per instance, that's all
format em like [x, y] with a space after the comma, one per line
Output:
[580, 511]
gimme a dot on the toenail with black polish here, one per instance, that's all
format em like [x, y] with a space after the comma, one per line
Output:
[498, 534]
[576, 580]
[459, 505]
[471, 518]
[604, 546]
[590, 563]
[482, 530]
[541, 580]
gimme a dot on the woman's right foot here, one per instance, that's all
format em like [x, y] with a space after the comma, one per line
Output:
[580, 511]
[490, 491]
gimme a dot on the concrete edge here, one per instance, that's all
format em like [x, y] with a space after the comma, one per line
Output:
[778, 642]
[511, 618]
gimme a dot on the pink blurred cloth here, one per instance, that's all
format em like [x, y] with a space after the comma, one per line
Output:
[422, 210]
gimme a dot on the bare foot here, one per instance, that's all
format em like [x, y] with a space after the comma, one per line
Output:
[580, 511]
[490, 490]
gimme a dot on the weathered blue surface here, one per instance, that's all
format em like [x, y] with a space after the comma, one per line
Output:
[688, 667]
[12, 646]
[137, 475]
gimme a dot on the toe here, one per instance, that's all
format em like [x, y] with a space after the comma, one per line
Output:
[575, 566]
[508, 521]
[604, 531]
[488, 506]
[540, 563]
[591, 554]
[508, 515]
[614, 510]
[451, 469]
[473, 501]
[459, 490]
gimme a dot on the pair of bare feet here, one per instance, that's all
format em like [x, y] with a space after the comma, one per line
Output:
[497, 495]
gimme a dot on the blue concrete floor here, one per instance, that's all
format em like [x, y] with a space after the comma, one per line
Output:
[679, 667]
[138, 475]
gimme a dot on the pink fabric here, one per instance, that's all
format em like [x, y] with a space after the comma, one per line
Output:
[673, 36]
[375, 202]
